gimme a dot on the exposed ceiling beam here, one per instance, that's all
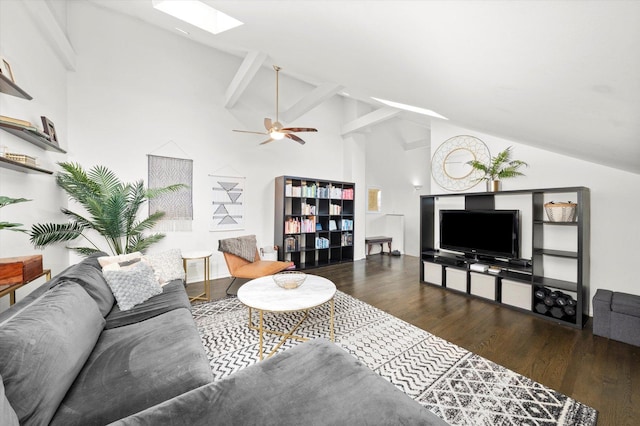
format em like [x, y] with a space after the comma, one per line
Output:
[420, 143]
[370, 119]
[47, 23]
[311, 100]
[248, 69]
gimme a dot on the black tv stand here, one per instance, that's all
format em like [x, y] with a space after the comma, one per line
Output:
[516, 283]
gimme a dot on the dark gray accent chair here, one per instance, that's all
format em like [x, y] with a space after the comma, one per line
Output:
[616, 316]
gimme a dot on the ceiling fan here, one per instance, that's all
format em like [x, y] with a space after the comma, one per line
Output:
[275, 131]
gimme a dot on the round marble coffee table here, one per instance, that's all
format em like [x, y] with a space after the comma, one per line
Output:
[264, 295]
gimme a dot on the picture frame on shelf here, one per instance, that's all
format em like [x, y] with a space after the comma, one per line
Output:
[5, 69]
[49, 130]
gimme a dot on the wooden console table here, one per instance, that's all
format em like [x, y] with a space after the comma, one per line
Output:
[11, 289]
[378, 240]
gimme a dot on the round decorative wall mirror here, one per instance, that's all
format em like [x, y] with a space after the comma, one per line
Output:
[449, 165]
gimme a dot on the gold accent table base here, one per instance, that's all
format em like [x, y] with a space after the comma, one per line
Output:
[205, 256]
[264, 295]
[288, 335]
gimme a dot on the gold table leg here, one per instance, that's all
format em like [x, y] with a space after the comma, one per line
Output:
[288, 335]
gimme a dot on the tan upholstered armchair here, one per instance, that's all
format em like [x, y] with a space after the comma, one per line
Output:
[241, 267]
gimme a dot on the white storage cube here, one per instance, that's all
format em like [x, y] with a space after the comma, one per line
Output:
[457, 279]
[483, 286]
[432, 273]
[517, 294]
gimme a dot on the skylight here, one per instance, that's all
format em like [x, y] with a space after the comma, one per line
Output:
[411, 108]
[197, 14]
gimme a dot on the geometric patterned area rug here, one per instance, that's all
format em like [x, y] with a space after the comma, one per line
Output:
[455, 384]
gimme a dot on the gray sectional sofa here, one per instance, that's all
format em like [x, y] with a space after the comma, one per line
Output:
[70, 356]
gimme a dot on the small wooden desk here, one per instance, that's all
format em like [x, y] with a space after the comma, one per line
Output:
[11, 290]
[378, 240]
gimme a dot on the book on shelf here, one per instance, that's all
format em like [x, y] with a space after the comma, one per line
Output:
[17, 121]
[347, 239]
[322, 242]
[333, 225]
[347, 194]
[291, 244]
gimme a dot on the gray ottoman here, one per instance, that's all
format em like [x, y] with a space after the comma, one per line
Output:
[617, 316]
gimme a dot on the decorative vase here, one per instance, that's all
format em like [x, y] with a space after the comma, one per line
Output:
[494, 185]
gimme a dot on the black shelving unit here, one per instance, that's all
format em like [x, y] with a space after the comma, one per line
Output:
[516, 284]
[314, 221]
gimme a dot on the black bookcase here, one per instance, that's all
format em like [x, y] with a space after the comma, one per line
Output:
[528, 285]
[314, 221]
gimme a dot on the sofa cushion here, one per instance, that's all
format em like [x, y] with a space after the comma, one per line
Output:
[91, 279]
[167, 265]
[133, 285]
[315, 383]
[8, 416]
[628, 304]
[43, 348]
[173, 296]
[134, 367]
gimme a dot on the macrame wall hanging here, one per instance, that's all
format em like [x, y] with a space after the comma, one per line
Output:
[178, 205]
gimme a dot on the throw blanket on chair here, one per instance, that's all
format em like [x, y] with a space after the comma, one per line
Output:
[244, 247]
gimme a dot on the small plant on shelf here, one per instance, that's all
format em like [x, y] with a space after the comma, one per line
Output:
[500, 167]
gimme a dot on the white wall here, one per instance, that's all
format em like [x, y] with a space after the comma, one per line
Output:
[395, 169]
[40, 73]
[615, 227]
[138, 87]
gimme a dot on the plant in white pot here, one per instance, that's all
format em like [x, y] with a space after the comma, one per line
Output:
[500, 167]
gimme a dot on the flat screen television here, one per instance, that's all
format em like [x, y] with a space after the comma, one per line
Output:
[478, 233]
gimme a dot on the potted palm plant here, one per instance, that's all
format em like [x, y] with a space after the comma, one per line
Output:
[111, 212]
[5, 201]
[500, 167]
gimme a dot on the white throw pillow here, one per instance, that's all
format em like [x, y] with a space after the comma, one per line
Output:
[108, 260]
[167, 266]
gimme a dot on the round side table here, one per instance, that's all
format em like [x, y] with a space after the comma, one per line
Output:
[205, 256]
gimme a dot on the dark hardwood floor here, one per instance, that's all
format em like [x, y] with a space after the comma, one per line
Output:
[602, 373]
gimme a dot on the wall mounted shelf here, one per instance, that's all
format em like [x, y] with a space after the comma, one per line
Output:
[31, 136]
[10, 88]
[19, 167]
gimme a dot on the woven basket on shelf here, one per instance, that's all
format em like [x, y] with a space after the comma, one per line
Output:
[561, 212]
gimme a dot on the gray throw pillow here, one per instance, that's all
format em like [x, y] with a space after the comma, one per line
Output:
[43, 349]
[133, 285]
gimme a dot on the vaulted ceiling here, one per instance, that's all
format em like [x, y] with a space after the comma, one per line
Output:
[559, 75]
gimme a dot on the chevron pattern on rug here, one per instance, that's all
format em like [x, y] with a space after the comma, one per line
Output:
[457, 385]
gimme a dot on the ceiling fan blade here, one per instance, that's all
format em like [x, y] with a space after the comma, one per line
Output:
[300, 129]
[268, 124]
[249, 131]
[295, 138]
[267, 141]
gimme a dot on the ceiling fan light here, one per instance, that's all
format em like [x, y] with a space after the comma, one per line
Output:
[276, 135]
